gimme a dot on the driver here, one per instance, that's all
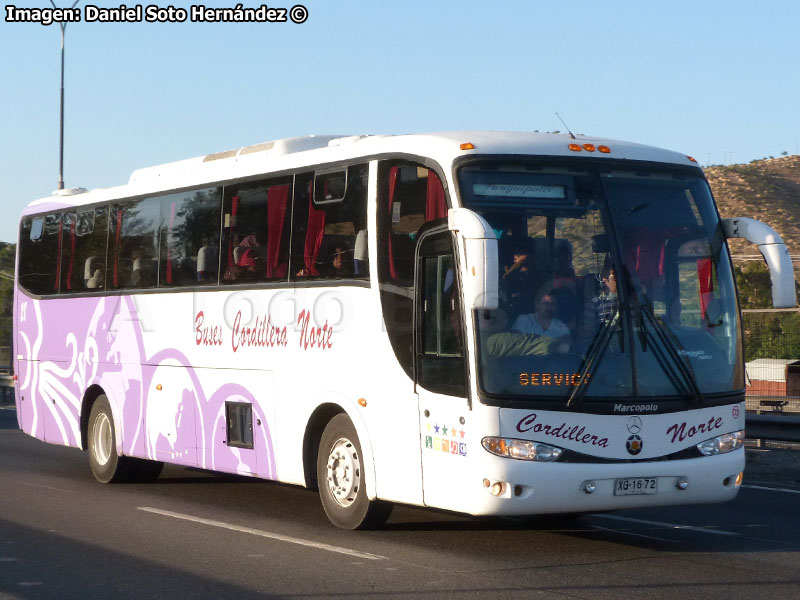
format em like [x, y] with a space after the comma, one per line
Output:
[542, 322]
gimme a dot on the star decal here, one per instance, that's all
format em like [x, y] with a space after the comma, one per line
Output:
[444, 430]
[436, 428]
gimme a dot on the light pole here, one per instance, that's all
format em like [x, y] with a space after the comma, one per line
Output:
[63, 25]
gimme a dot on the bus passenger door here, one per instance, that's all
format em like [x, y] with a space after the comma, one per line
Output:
[441, 374]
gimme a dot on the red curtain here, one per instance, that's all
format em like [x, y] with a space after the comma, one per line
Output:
[705, 278]
[232, 228]
[71, 254]
[277, 197]
[316, 227]
[435, 205]
[392, 185]
[169, 242]
[645, 250]
[58, 254]
[117, 249]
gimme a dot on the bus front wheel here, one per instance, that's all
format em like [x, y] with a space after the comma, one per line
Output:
[107, 466]
[340, 475]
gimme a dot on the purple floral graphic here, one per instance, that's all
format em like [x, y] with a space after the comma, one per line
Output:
[175, 422]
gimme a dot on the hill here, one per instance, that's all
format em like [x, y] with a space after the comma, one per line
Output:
[767, 190]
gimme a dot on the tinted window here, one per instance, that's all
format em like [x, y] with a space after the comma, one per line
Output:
[83, 252]
[440, 355]
[40, 241]
[330, 238]
[409, 195]
[255, 234]
[190, 224]
[133, 260]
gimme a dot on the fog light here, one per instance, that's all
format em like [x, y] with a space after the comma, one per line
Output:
[497, 489]
[589, 487]
[682, 483]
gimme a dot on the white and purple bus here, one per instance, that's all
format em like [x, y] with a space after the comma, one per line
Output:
[492, 323]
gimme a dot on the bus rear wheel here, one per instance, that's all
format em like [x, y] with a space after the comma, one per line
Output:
[341, 479]
[107, 466]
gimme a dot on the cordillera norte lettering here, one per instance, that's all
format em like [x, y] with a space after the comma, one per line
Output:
[43, 16]
[263, 335]
[680, 433]
[576, 433]
[314, 337]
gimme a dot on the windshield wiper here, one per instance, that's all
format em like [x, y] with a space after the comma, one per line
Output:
[686, 370]
[596, 351]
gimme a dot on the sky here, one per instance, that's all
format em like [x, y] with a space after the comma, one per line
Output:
[718, 80]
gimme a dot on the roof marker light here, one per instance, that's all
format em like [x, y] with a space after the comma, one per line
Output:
[589, 147]
[604, 149]
[692, 158]
[467, 146]
[575, 147]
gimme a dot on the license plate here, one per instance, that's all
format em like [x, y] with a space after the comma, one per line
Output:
[635, 485]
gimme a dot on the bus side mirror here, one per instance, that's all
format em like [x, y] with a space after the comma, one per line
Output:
[479, 267]
[775, 253]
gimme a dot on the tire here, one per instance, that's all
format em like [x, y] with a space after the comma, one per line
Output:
[341, 479]
[107, 466]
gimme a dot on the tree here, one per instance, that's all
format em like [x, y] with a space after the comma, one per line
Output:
[755, 288]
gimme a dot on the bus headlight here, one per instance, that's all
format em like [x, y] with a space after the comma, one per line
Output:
[521, 449]
[722, 443]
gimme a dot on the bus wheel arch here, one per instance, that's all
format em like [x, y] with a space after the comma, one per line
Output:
[312, 437]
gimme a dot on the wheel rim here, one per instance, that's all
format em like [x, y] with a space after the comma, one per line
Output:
[102, 438]
[344, 472]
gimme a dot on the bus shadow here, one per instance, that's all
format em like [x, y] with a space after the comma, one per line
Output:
[73, 570]
[8, 417]
[599, 527]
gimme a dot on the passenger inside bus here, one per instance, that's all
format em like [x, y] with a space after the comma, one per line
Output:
[543, 321]
[517, 281]
[339, 264]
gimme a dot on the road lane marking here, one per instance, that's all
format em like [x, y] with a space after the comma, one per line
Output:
[265, 534]
[667, 525]
[771, 489]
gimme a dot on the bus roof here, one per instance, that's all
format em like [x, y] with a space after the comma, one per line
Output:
[309, 151]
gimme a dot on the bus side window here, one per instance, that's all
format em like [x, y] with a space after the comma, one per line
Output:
[409, 195]
[189, 232]
[83, 252]
[255, 231]
[39, 254]
[330, 215]
[133, 231]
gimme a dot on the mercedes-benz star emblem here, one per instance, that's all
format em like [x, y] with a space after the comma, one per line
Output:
[634, 425]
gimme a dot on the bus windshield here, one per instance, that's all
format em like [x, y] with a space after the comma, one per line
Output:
[615, 284]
